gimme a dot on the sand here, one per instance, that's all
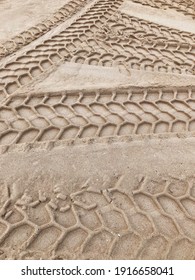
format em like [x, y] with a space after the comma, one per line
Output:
[97, 126]
[18, 16]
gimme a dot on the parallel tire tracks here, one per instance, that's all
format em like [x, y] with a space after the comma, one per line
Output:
[112, 220]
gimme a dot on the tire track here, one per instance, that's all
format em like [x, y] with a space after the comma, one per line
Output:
[100, 37]
[68, 10]
[151, 223]
[124, 112]
[186, 7]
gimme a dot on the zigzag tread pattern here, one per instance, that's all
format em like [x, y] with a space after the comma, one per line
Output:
[26, 37]
[103, 36]
[98, 114]
[155, 221]
[186, 7]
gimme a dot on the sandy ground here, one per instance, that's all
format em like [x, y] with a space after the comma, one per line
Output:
[168, 17]
[18, 16]
[99, 199]
[97, 125]
[75, 76]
